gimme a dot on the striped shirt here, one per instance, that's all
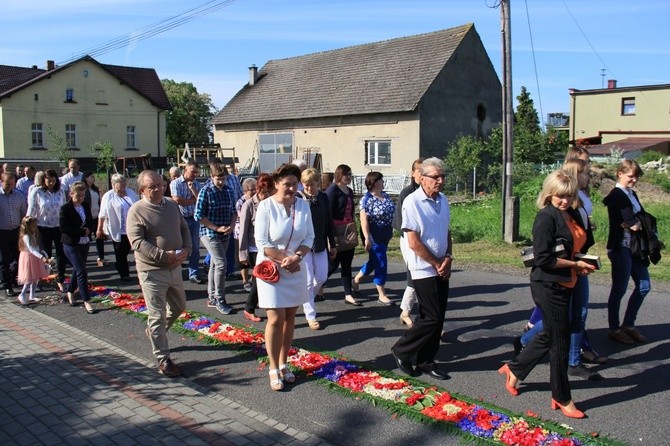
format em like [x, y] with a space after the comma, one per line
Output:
[216, 205]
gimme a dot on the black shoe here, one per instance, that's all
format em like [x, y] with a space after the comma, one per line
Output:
[318, 298]
[580, 371]
[432, 370]
[10, 292]
[405, 366]
[196, 280]
[518, 346]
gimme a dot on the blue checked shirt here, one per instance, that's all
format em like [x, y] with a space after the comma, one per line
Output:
[179, 188]
[218, 206]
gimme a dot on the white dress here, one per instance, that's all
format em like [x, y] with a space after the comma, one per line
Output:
[273, 230]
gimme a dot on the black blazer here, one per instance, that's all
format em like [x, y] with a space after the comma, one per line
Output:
[71, 226]
[620, 213]
[338, 201]
[549, 226]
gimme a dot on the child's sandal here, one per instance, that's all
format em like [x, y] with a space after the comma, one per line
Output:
[287, 374]
[276, 383]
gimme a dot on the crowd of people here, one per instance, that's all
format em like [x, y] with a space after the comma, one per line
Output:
[293, 230]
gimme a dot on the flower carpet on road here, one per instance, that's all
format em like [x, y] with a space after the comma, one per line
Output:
[475, 420]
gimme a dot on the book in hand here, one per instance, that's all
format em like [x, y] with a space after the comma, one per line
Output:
[591, 260]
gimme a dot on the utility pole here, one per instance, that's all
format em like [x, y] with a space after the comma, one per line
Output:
[510, 211]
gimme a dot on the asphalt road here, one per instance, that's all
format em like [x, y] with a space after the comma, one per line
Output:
[486, 309]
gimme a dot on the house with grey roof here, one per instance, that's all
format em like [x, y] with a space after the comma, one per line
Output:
[376, 106]
[83, 101]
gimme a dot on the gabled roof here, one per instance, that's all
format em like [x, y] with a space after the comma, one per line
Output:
[144, 81]
[632, 144]
[381, 77]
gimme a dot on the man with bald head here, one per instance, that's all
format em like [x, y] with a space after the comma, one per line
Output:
[161, 240]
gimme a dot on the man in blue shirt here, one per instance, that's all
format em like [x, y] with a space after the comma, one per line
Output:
[184, 191]
[215, 211]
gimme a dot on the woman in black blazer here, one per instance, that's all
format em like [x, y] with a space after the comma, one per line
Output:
[76, 225]
[622, 208]
[551, 281]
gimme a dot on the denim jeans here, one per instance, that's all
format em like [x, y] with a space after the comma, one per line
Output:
[579, 308]
[194, 259]
[216, 279]
[623, 268]
[77, 255]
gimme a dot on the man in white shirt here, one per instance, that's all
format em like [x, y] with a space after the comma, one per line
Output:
[425, 224]
[72, 176]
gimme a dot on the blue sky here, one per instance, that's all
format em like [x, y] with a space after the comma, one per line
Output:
[572, 39]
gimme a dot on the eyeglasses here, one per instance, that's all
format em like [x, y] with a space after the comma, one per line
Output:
[435, 177]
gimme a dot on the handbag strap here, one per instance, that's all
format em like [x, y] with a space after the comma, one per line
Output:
[292, 225]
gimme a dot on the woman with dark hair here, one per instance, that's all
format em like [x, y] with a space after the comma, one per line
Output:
[248, 249]
[76, 225]
[284, 235]
[622, 209]
[44, 205]
[93, 197]
[552, 280]
[341, 199]
[376, 215]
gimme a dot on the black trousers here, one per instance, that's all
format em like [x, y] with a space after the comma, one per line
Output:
[343, 259]
[554, 300]
[121, 251]
[423, 338]
[9, 249]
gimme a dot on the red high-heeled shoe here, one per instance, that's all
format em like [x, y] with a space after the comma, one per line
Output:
[574, 414]
[504, 370]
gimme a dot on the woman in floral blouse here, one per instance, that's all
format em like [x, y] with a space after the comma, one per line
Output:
[44, 205]
[376, 217]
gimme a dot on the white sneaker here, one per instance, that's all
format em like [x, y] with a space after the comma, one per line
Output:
[35, 299]
[247, 287]
[22, 299]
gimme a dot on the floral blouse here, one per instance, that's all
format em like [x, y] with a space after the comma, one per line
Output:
[45, 205]
[379, 211]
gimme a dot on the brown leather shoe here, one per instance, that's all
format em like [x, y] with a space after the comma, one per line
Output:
[634, 333]
[620, 336]
[167, 368]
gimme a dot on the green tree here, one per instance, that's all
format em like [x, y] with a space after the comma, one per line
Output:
[530, 143]
[467, 153]
[188, 121]
[59, 149]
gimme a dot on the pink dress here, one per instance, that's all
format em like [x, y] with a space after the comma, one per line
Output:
[31, 267]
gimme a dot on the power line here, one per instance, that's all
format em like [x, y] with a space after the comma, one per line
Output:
[153, 29]
[537, 80]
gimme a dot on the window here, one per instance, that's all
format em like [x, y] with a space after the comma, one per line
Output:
[275, 149]
[378, 152]
[69, 95]
[38, 135]
[130, 137]
[275, 142]
[628, 106]
[71, 135]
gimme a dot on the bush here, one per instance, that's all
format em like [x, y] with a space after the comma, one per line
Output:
[659, 179]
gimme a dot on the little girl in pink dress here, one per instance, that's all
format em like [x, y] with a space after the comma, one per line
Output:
[32, 261]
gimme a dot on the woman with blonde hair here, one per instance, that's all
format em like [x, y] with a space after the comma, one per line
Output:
[552, 279]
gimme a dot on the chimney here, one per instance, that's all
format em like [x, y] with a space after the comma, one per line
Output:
[253, 74]
[611, 84]
[50, 65]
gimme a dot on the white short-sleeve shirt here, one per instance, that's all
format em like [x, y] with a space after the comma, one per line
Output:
[430, 219]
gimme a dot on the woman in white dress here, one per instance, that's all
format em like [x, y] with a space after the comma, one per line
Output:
[284, 234]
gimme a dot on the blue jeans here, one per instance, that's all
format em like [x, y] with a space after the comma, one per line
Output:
[623, 268]
[216, 279]
[194, 259]
[77, 255]
[579, 308]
